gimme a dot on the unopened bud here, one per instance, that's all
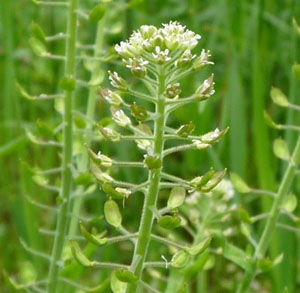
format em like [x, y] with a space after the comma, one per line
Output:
[173, 90]
[137, 66]
[185, 59]
[108, 133]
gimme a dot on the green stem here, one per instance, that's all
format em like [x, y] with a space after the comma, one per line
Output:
[141, 247]
[83, 162]
[61, 226]
[272, 220]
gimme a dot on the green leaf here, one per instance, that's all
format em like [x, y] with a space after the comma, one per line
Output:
[79, 256]
[278, 97]
[90, 237]
[180, 259]
[112, 213]
[239, 184]
[97, 12]
[176, 198]
[281, 149]
[116, 285]
[200, 247]
[67, 83]
[290, 203]
[126, 276]
[169, 222]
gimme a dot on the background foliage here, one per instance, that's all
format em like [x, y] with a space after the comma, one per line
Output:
[253, 45]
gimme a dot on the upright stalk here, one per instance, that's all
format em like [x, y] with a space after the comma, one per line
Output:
[141, 247]
[272, 220]
[90, 111]
[61, 226]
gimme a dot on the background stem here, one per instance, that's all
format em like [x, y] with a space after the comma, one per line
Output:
[61, 226]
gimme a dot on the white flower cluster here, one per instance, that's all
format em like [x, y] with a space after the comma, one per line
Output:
[160, 41]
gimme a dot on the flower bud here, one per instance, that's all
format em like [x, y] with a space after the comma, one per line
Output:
[121, 119]
[117, 81]
[185, 59]
[185, 130]
[112, 98]
[139, 112]
[205, 90]
[147, 31]
[173, 90]
[202, 60]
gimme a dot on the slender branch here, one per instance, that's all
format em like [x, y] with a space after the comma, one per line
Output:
[166, 241]
[179, 148]
[273, 216]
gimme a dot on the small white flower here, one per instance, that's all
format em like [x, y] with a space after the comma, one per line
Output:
[105, 160]
[121, 119]
[161, 56]
[202, 60]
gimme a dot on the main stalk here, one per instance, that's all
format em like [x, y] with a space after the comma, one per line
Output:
[146, 223]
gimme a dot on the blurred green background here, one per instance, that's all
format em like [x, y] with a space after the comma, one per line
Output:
[253, 45]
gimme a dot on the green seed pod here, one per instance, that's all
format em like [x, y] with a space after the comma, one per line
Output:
[84, 179]
[296, 71]
[198, 182]
[126, 276]
[214, 181]
[180, 259]
[90, 237]
[112, 213]
[169, 222]
[37, 32]
[79, 121]
[239, 184]
[244, 216]
[67, 83]
[111, 192]
[264, 264]
[278, 97]
[213, 136]
[139, 112]
[281, 149]
[100, 159]
[37, 46]
[177, 197]
[186, 129]
[152, 162]
[97, 12]
[79, 256]
[116, 285]
[200, 247]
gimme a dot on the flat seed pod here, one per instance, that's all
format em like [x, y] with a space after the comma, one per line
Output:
[180, 259]
[177, 197]
[112, 213]
[97, 12]
[90, 237]
[200, 247]
[169, 222]
[239, 184]
[116, 285]
[79, 256]
[126, 276]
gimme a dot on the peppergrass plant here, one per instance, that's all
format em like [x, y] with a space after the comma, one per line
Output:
[159, 58]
